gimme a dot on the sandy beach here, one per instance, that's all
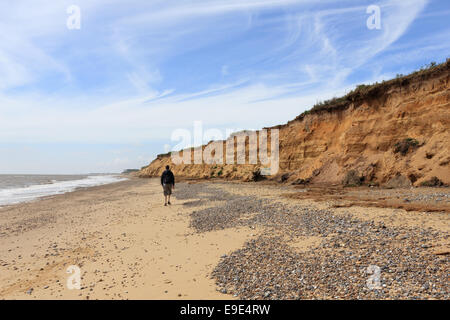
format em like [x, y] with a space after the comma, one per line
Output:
[126, 243]
[220, 240]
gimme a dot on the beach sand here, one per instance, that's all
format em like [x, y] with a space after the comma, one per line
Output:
[126, 243]
[222, 240]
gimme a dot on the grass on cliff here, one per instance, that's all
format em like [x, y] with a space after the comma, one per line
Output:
[364, 92]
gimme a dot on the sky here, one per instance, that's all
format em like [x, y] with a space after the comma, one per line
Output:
[108, 93]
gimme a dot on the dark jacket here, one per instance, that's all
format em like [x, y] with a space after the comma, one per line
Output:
[167, 178]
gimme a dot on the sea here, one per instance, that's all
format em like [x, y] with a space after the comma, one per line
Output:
[17, 188]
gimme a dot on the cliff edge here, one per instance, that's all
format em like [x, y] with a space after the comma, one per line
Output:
[395, 133]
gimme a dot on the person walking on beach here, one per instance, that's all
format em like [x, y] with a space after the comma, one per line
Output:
[168, 184]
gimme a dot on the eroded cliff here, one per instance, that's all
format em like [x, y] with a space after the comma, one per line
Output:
[395, 133]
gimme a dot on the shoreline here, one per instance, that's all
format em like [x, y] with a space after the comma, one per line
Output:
[126, 243]
[120, 178]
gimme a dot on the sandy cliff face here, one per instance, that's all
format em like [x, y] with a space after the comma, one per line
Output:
[397, 133]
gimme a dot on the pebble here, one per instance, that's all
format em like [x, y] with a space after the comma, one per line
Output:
[268, 267]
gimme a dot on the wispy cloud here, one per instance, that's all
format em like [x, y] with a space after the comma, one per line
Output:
[138, 69]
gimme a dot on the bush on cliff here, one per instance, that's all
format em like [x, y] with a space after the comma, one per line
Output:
[257, 176]
[405, 145]
[352, 179]
[433, 182]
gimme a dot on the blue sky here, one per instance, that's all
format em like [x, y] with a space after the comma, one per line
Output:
[108, 96]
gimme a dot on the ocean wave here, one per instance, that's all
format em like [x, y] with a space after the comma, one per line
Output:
[29, 193]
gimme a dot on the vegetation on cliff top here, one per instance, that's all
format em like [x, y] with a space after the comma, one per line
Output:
[365, 92]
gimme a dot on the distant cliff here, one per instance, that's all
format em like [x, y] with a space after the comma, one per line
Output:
[395, 133]
[130, 171]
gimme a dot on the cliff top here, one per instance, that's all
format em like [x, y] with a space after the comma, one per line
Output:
[366, 92]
